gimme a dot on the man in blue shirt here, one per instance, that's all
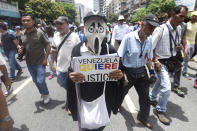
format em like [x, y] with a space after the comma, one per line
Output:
[81, 33]
[136, 51]
[10, 45]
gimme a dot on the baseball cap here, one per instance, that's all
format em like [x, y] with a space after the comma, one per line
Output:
[81, 25]
[5, 23]
[17, 27]
[121, 17]
[151, 19]
[62, 19]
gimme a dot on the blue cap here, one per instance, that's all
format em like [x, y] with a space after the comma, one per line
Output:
[5, 23]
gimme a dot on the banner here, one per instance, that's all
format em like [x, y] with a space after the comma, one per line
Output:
[96, 68]
[189, 3]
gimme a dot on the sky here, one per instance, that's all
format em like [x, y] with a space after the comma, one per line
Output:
[86, 3]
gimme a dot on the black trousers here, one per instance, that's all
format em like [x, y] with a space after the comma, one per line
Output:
[142, 88]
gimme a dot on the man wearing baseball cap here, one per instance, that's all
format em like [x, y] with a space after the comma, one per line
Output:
[68, 40]
[136, 51]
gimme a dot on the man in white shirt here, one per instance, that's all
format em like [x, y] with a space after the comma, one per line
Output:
[119, 32]
[63, 54]
[166, 41]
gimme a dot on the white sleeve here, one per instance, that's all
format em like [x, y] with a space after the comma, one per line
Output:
[2, 60]
[156, 36]
[53, 46]
[77, 40]
[113, 36]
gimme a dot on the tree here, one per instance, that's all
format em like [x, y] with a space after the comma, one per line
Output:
[158, 7]
[113, 18]
[139, 14]
[70, 10]
[44, 9]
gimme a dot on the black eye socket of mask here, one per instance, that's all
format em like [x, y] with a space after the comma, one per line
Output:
[101, 28]
[91, 28]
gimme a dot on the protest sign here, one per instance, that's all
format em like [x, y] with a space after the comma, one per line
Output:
[96, 68]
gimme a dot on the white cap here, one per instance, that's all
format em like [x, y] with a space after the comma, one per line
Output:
[81, 25]
[121, 17]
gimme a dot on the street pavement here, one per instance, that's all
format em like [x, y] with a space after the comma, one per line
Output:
[31, 115]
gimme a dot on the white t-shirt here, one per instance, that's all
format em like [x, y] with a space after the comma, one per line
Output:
[64, 54]
[120, 31]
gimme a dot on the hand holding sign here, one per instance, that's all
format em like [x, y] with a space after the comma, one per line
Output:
[117, 74]
[76, 76]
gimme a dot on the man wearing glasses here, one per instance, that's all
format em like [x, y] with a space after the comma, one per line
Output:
[136, 51]
[63, 43]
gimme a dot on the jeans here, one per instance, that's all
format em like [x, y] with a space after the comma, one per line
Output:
[62, 79]
[13, 64]
[142, 88]
[162, 86]
[191, 48]
[38, 75]
[177, 77]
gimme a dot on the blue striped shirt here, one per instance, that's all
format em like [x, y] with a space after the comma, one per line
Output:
[130, 50]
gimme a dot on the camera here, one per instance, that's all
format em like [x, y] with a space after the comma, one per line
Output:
[20, 56]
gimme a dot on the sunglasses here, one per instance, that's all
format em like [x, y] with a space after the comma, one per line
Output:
[59, 23]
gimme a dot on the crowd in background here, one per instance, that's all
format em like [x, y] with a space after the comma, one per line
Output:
[152, 39]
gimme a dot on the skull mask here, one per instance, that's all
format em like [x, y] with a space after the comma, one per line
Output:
[95, 30]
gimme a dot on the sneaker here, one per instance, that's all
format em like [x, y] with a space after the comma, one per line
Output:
[192, 59]
[153, 103]
[68, 112]
[195, 83]
[46, 99]
[12, 80]
[186, 75]
[9, 91]
[162, 118]
[50, 76]
[178, 91]
[42, 98]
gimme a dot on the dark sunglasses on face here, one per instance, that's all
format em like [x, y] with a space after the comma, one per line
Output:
[58, 23]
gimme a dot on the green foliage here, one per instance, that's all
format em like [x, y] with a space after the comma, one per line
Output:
[113, 18]
[139, 14]
[156, 7]
[161, 6]
[70, 10]
[44, 9]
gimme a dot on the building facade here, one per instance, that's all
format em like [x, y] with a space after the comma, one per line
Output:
[96, 5]
[9, 12]
[125, 7]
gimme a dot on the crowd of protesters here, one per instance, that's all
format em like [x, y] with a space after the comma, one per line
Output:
[160, 46]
